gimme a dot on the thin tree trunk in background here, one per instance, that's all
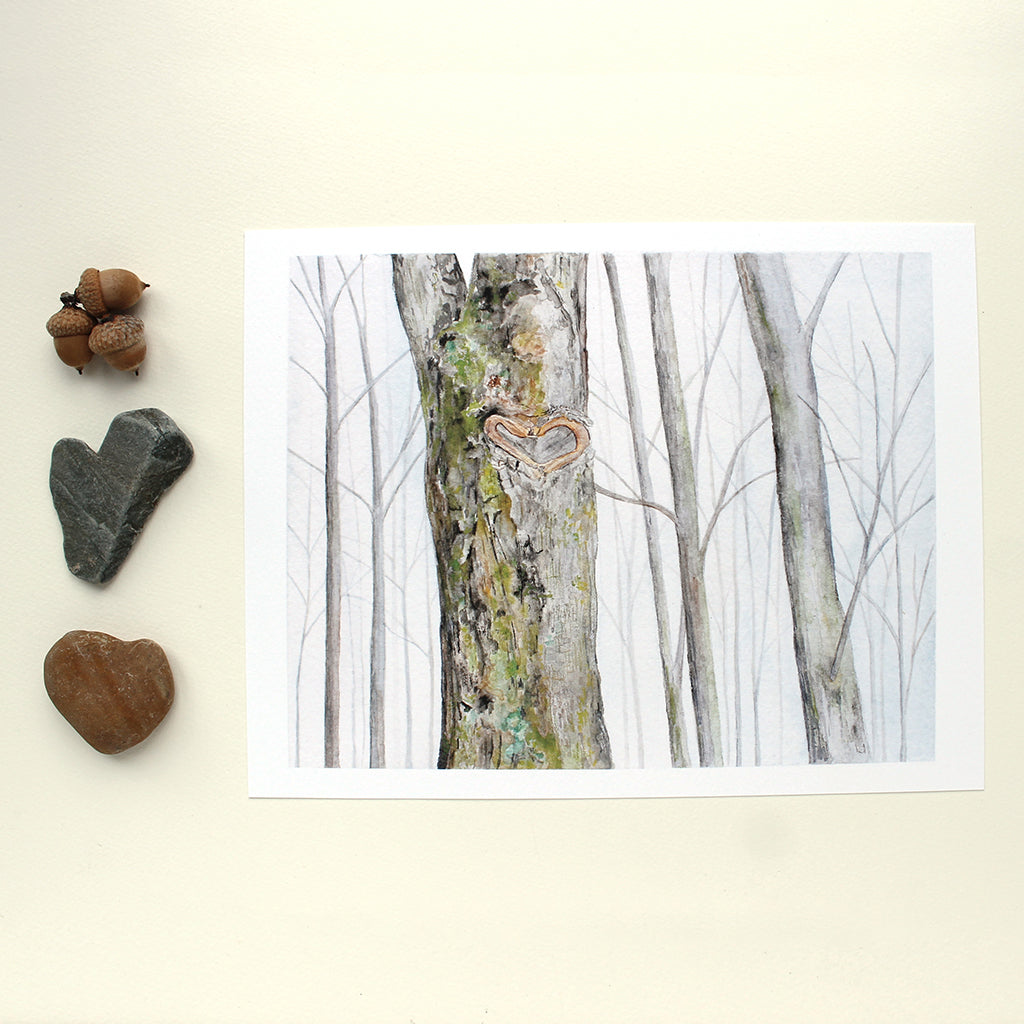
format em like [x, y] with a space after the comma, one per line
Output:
[737, 673]
[758, 668]
[405, 634]
[307, 624]
[672, 689]
[876, 702]
[877, 742]
[332, 615]
[780, 608]
[511, 501]
[356, 624]
[699, 649]
[833, 720]
[634, 674]
[628, 648]
[378, 636]
[895, 493]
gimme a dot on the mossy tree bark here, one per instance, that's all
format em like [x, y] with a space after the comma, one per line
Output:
[833, 720]
[510, 496]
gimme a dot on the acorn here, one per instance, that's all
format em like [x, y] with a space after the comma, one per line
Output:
[120, 340]
[70, 329]
[108, 291]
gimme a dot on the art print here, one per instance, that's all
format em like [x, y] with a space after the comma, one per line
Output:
[612, 511]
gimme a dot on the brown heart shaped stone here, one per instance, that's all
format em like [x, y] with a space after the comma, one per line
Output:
[114, 692]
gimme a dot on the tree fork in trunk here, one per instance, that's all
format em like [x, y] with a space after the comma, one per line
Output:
[833, 720]
[670, 684]
[699, 648]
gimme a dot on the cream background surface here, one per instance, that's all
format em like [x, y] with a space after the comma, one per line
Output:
[149, 887]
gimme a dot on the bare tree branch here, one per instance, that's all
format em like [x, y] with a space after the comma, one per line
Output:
[819, 303]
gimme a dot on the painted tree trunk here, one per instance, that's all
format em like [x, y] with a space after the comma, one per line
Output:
[833, 720]
[332, 528]
[378, 645]
[511, 501]
[671, 685]
[699, 649]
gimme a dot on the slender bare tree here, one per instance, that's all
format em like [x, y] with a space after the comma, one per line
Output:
[670, 683]
[321, 305]
[304, 588]
[833, 719]
[321, 293]
[699, 649]
[378, 510]
[886, 492]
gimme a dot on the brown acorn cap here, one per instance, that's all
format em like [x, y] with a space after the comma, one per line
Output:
[119, 338]
[70, 329]
[89, 293]
[116, 333]
[105, 291]
[70, 321]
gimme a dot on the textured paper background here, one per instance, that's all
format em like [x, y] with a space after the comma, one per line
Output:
[151, 135]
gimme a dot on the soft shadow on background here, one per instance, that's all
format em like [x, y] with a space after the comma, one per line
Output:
[149, 887]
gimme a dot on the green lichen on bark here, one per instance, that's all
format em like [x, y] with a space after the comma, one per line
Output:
[515, 545]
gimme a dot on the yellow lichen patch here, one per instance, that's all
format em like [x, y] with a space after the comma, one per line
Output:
[529, 345]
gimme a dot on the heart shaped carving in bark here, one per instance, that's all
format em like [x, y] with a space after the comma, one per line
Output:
[507, 432]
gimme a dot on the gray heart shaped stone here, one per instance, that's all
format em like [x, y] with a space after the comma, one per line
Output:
[104, 498]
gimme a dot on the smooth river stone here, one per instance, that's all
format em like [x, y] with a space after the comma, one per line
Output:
[104, 498]
[114, 692]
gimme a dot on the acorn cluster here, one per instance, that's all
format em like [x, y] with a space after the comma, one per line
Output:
[93, 320]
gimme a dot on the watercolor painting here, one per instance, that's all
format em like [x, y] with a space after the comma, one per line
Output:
[632, 508]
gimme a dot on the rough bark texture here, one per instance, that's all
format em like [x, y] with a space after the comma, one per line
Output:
[510, 495]
[832, 708]
[699, 650]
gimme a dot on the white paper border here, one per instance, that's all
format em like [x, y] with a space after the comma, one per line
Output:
[959, 690]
